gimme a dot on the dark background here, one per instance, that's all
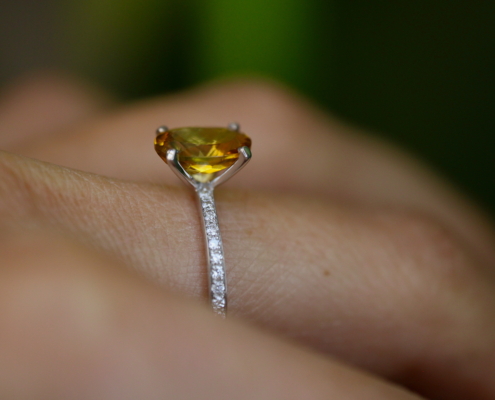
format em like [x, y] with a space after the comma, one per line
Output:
[419, 73]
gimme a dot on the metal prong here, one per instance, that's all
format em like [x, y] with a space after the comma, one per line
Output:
[234, 126]
[161, 129]
[173, 161]
[244, 156]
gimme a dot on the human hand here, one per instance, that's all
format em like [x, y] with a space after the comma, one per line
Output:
[340, 251]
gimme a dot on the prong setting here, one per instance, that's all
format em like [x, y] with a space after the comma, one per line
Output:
[234, 126]
[173, 162]
[161, 129]
[244, 156]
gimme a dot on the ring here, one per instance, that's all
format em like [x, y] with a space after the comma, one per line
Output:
[204, 158]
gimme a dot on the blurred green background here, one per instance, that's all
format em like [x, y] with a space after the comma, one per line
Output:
[419, 73]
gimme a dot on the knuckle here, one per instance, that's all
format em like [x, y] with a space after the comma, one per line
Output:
[438, 256]
[442, 285]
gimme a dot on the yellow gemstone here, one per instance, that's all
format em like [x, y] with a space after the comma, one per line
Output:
[202, 152]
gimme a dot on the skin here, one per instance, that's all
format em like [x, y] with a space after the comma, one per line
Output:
[353, 271]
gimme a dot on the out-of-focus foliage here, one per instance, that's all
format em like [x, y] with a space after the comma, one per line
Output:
[143, 47]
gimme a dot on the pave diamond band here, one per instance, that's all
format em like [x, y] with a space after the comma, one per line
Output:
[214, 250]
[204, 158]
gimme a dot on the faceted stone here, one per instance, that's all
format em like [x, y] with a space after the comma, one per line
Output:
[202, 152]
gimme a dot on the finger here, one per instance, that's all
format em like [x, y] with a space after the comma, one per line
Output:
[392, 292]
[76, 326]
[296, 148]
[37, 106]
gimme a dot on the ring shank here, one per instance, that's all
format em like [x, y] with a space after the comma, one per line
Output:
[217, 286]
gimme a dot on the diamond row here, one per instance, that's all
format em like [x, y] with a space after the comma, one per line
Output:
[218, 289]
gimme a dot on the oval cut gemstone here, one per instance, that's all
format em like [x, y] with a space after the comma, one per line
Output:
[202, 152]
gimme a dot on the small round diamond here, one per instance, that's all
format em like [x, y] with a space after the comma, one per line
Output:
[208, 206]
[218, 289]
[214, 243]
[217, 275]
[218, 302]
[211, 231]
[216, 257]
[205, 197]
[218, 296]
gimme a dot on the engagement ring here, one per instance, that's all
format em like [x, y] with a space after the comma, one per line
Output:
[204, 158]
